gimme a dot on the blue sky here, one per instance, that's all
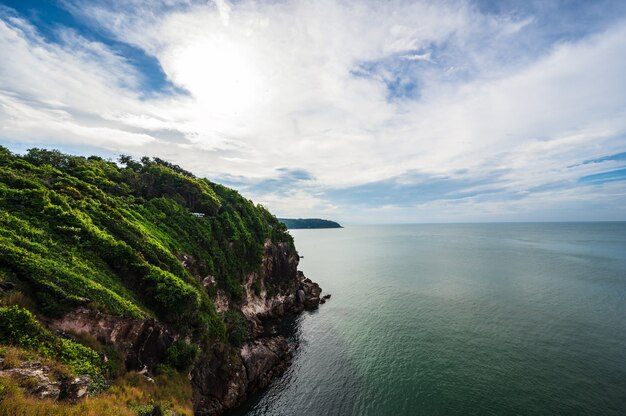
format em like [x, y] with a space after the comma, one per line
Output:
[376, 112]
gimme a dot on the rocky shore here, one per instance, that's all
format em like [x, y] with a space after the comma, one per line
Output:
[224, 374]
[141, 266]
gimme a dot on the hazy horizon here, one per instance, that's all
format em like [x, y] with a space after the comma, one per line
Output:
[406, 112]
[471, 222]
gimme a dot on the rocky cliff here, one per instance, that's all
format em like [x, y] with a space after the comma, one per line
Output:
[140, 266]
[224, 374]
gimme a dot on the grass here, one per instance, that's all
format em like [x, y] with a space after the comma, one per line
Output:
[129, 396]
[16, 298]
[13, 356]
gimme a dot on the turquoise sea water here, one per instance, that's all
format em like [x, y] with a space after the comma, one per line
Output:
[464, 319]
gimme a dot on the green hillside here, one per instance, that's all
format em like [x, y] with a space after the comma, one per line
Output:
[78, 231]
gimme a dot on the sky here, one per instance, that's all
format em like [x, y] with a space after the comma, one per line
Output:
[361, 112]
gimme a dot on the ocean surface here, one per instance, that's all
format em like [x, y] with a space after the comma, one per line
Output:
[463, 319]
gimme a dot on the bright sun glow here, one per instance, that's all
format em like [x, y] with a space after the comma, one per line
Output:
[219, 73]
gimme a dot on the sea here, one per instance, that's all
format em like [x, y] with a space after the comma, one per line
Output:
[459, 319]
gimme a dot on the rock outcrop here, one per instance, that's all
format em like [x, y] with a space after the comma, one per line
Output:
[225, 375]
[37, 380]
[189, 259]
[265, 359]
[144, 342]
[219, 380]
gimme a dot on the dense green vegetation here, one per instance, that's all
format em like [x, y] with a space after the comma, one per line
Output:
[308, 223]
[181, 355]
[237, 326]
[135, 239]
[86, 231]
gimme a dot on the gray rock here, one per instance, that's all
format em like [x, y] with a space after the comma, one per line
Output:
[223, 375]
[316, 291]
[208, 281]
[312, 303]
[300, 295]
[39, 383]
[144, 341]
[219, 380]
[46, 390]
[75, 389]
[264, 359]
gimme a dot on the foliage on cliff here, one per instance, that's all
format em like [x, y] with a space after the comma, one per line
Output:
[86, 231]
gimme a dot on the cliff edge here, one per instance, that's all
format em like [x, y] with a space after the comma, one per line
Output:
[134, 274]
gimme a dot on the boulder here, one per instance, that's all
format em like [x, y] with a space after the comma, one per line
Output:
[208, 281]
[264, 359]
[75, 388]
[314, 290]
[219, 380]
[150, 346]
[300, 295]
[35, 379]
[312, 303]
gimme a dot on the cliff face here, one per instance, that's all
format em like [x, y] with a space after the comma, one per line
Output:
[174, 273]
[224, 374]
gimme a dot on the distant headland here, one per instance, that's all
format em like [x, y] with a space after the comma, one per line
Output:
[293, 223]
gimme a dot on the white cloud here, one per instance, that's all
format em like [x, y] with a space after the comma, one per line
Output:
[223, 7]
[273, 85]
[417, 57]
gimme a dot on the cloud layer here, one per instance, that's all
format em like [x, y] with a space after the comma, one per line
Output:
[364, 112]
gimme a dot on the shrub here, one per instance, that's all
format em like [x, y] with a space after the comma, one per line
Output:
[238, 327]
[182, 355]
[19, 327]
